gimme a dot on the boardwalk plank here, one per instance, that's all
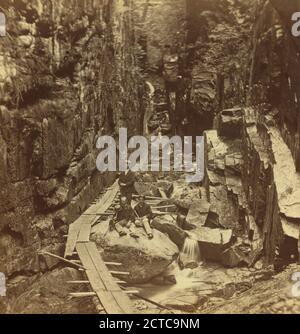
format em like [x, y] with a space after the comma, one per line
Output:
[112, 298]
[85, 230]
[120, 297]
[107, 278]
[105, 202]
[123, 301]
[106, 298]
[73, 236]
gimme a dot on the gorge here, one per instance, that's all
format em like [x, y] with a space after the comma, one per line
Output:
[74, 71]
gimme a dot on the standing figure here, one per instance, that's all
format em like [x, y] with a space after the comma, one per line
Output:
[144, 216]
[126, 183]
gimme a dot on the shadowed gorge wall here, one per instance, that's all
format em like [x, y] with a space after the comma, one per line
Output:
[218, 41]
[275, 76]
[68, 74]
[243, 55]
[71, 71]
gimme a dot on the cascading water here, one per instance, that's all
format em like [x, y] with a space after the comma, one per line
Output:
[190, 254]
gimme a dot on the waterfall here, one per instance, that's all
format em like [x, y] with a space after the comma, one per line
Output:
[190, 253]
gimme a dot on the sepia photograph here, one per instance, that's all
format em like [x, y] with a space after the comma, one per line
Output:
[149, 159]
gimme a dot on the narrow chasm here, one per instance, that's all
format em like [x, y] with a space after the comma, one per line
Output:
[224, 71]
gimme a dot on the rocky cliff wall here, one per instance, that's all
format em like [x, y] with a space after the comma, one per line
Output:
[271, 157]
[68, 74]
[252, 168]
[160, 23]
[275, 76]
[218, 38]
[253, 156]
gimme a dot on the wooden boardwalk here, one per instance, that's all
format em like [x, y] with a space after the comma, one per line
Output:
[111, 297]
[104, 286]
[80, 230]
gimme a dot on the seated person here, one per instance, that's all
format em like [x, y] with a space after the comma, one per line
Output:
[144, 216]
[123, 217]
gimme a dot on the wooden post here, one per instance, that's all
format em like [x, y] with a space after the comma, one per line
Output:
[82, 294]
[78, 282]
[165, 206]
[113, 264]
[119, 273]
[131, 292]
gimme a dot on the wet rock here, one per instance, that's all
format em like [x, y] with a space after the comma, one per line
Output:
[167, 224]
[212, 242]
[164, 280]
[143, 258]
[185, 262]
[186, 303]
[170, 279]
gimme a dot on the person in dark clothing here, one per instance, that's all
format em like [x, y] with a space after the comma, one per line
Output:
[124, 217]
[126, 183]
[144, 216]
[170, 68]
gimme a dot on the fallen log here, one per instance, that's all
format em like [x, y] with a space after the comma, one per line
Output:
[62, 259]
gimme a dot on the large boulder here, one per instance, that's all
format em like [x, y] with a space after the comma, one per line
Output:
[198, 213]
[233, 257]
[147, 189]
[167, 224]
[230, 123]
[213, 242]
[166, 186]
[47, 294]
[185, 195]
[142, 258]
